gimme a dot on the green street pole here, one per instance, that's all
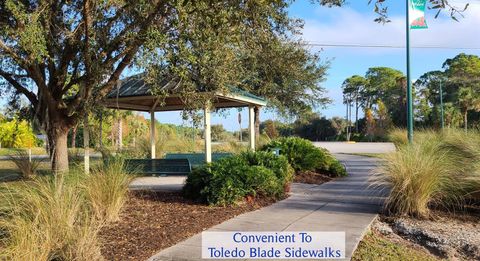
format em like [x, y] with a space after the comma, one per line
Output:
[441, 106]
[409, 83]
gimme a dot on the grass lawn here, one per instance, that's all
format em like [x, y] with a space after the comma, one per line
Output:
[375, 246]
[10, 172]
[11, 151]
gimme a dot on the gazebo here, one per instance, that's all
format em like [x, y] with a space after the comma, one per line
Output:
[133, 93]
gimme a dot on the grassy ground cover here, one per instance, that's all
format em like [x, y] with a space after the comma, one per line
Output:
[371, 155]
[375, 246]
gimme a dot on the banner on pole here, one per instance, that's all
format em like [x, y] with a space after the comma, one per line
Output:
[417, 14]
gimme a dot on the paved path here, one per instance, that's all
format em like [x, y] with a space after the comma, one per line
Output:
[346, 204]
[359, 147]
[167, 184]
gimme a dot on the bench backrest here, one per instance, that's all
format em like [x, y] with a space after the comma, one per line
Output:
[197, 159]
[160, 166]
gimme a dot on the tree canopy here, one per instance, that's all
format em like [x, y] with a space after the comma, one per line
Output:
[65, 56]
[382, 94]
[461, 91]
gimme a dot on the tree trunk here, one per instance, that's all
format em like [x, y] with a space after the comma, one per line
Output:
[356, 116]
[350, 113]
[101, 131]
[465, 120]
[257, 124]
[57, 148]
[74, 137]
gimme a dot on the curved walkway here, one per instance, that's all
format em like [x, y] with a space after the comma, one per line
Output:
[345, 204]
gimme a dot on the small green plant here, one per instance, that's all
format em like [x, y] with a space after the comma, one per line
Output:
[106, 188]
[46, 219]
[304, 156]
[27, 166]
[231, 179]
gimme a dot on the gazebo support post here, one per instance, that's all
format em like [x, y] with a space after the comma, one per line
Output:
[251, 127]
[152, 134]
[207, 133]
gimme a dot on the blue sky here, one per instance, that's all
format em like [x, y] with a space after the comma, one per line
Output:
[353, 24]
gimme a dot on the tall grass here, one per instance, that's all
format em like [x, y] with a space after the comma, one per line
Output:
[45, 219]
[59, 217]
[28, 167]
[439, 169]
[230, 146]
[106, 189]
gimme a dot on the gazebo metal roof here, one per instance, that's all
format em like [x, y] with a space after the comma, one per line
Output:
[133, 93]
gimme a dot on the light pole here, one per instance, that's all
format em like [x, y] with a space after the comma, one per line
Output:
[409, 83]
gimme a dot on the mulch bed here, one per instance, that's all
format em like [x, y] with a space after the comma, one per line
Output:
[152, 221]
[311, 177]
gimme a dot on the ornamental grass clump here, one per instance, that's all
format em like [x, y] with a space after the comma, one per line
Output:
[106, 188]
[27, 166]
[439, 169]
[47, 219]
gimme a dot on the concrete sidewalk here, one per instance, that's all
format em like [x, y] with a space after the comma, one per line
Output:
[357, 147]
[346, 204]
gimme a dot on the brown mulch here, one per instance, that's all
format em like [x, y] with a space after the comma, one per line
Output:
[152, 221]
[311, 177]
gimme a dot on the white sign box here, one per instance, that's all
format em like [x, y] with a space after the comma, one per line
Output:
[273, 245]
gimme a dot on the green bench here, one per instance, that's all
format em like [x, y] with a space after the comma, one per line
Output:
[197, 159]
[160, 167]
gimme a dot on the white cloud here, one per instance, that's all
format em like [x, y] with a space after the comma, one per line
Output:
[347, 26]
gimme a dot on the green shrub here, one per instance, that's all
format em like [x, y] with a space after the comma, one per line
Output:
[17, 134]
[262, 181]
[336, 168]
[439, 168]
[230, 179]
[279, 165]
[301, 153]
[304, 156]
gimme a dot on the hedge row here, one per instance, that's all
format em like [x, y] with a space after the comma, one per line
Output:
[226, 181]
[230, 179]
[304, 156]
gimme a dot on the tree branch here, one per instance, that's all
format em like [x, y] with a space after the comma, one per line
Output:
[30, 95]
[12, 54]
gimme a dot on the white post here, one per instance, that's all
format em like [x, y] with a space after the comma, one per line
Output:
[152, 133]
[208, 134]
[251, 127]
[86, 144]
